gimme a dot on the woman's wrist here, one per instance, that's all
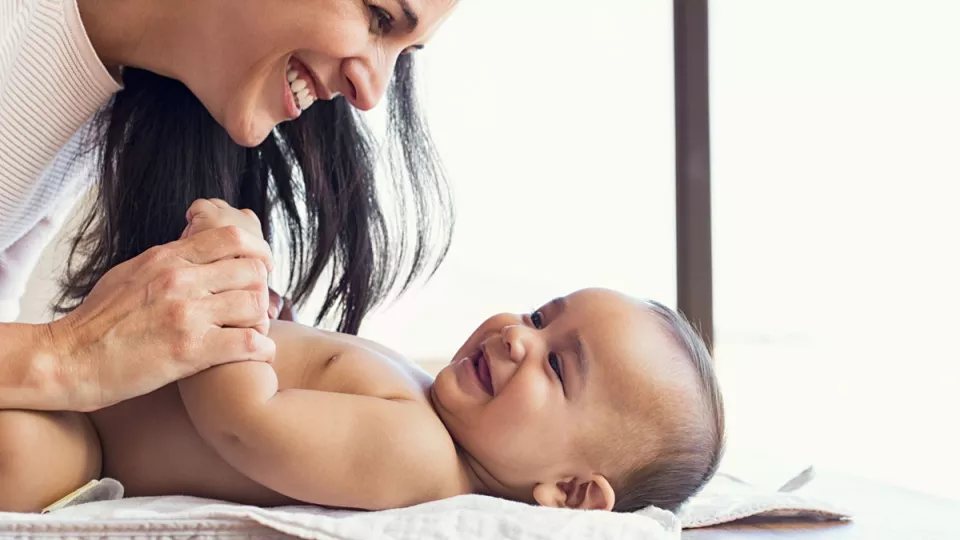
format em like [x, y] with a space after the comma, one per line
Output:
[31, 374]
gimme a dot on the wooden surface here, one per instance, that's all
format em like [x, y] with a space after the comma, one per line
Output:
[880, 512]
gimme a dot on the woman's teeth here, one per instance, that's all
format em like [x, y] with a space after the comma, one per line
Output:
[299, 88]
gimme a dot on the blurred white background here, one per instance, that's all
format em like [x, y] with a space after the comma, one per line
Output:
[836, 183]
[835, 132]
[555, 123]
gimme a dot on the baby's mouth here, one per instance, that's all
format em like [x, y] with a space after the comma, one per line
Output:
[482, 366]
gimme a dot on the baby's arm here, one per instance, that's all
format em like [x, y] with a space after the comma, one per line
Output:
[318, 447]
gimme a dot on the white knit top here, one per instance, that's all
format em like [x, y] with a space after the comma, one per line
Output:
[51, 83]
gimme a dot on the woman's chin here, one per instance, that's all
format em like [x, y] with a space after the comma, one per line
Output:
[248, 128]
[251, 133]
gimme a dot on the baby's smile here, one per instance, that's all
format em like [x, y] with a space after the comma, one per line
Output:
[482, 368]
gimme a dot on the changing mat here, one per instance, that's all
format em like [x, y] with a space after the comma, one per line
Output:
[724, 499]
[466, 517]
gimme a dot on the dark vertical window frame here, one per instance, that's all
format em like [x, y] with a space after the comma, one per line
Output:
[692, 102]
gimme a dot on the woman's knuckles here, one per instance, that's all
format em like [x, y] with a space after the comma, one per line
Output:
[259, 269]
[180, 319]
[236, 237]
[153, 257]
[173, 282]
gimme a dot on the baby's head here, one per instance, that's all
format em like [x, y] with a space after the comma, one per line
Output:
[596, 400]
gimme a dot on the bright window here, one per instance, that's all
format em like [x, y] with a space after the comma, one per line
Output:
[836, 192]
[555, 123]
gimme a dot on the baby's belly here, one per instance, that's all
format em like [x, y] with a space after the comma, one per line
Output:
[150, 446]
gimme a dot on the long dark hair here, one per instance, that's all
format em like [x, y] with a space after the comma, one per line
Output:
[158, 150]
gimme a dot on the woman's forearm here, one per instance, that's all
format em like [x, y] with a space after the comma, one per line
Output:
[30, 373]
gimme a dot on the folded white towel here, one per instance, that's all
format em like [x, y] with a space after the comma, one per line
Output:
[723, 500]
[463, 518]
[726, 499]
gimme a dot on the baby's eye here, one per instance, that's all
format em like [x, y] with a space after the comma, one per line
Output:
[537, 320]
[555, 365]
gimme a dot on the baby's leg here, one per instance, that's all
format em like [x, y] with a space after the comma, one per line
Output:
[44, 456]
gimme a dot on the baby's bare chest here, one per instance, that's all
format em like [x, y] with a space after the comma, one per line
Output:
[328, 362]
[150, 444]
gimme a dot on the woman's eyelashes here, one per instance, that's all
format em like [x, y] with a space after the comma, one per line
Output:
[381, 21]
[382, 24]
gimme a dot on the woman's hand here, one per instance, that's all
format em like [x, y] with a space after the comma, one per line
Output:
[173, 311]
[206, 214]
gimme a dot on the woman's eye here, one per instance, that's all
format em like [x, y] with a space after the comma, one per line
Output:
[381, 22]
[555, 365]
[537, 320]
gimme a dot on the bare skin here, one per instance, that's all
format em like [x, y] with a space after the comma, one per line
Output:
[150, 445]
[527, 410]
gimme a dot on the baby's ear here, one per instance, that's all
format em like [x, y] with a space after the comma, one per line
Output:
[591, 493]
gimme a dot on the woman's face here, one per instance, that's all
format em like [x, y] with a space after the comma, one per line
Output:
[263, 62]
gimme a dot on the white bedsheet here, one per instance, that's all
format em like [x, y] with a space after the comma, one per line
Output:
[724, 499]
[466, 517]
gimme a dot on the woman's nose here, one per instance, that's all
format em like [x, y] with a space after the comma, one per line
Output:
[368, 78]
[513, 342]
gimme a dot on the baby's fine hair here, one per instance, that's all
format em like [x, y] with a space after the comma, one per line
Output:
[690, 452]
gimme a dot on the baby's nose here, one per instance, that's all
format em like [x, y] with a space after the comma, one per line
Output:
[513, 344]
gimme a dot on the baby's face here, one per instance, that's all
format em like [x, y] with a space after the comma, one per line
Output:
[542, 397]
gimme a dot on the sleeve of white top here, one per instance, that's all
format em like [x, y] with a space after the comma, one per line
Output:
[19, 260]
[51, 83]
[16, 265]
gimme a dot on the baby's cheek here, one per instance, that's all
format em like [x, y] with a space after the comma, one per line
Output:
[527, 404]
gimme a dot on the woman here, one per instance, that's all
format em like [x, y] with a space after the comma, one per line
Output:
[249, 101]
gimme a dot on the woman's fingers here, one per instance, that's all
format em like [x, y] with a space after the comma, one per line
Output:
[219, 244]
[232, 292]
[240, 309]
[226, 275]
[166, 314]
[236, 345]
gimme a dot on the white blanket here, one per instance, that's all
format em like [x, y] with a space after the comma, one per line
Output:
[466, 517]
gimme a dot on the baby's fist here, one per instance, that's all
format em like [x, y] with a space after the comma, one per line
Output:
[206, 214]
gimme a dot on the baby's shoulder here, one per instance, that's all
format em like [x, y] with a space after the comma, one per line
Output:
[364, 368]
[425, 460]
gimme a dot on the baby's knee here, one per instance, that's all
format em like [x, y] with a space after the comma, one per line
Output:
[44, 456]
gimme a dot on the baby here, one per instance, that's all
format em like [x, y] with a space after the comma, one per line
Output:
[594, 401]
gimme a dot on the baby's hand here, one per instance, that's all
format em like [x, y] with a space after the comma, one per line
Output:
[206, 214]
